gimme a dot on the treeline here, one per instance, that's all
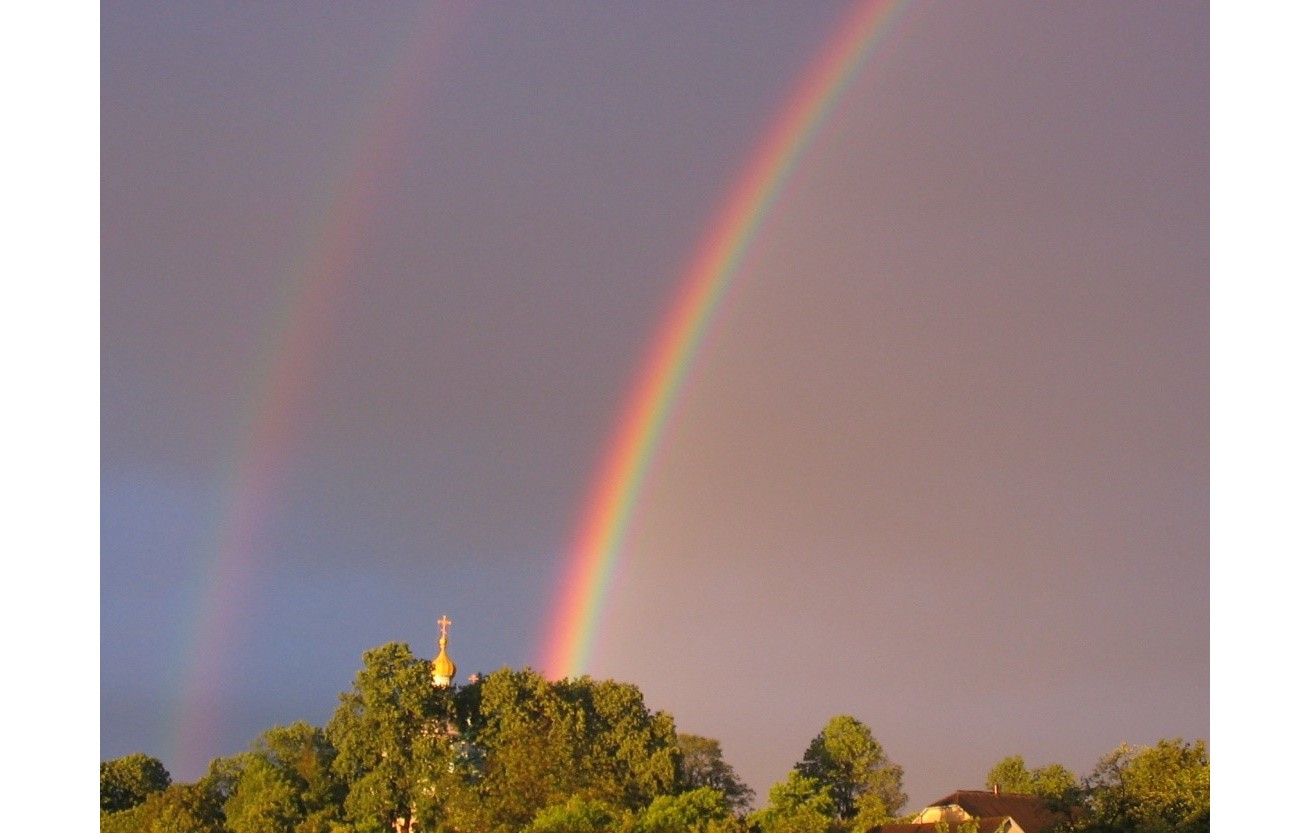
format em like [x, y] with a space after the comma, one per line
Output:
[515, 752]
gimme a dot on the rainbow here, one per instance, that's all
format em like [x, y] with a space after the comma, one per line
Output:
[591, 561]
[281, 382]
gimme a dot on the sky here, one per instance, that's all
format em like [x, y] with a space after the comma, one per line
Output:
[377, 280]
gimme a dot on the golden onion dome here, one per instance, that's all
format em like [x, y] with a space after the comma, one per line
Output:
[443, 669]
[442, 665]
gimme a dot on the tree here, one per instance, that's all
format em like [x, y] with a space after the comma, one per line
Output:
[577, 815]
[284, 784]
[181, 808]
[1053, 781]
[799, 804]
[865, 786]
[1011, 775]
[392, 735]
[695, 811]
[541, 743]
[263, 801]
[630, 753]
[531, 744]
[126, 782]
[702, 765]
[1151, 789]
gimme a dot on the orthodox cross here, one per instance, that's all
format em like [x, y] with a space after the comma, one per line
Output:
[444, 623]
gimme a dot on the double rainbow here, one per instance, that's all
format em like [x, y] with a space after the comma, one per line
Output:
[571, 630]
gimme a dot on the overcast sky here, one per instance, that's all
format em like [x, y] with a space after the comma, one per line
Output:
[376, 279]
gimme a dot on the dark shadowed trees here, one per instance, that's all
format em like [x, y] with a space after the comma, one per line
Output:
[181, 808]
[702, 765]
[125, 782]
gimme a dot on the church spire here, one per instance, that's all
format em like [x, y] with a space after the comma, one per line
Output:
[443, 670]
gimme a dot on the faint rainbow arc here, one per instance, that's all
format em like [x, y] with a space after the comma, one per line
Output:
[281, 381]
[592, 558]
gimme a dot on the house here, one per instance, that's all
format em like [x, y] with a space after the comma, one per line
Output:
[994, 812]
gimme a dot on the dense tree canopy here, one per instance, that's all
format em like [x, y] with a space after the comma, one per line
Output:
[389, 737]
[847, 759]
[514, 752]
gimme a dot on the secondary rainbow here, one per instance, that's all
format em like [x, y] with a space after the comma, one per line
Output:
[598, 542]
[281, 380]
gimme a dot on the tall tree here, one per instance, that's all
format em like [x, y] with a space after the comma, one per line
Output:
[391, 733]
[846, 758]
[702, 765]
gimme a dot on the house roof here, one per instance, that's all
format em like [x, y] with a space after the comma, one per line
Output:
[1031, 812]
[991, 824]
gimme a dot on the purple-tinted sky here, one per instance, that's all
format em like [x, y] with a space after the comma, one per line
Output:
[943, 464]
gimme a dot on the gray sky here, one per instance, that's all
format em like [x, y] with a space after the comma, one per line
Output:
[942, 465]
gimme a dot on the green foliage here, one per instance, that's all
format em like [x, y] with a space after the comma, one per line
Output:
[516, 752]
[391, 736]
[694, 811]
[865, 786]
[630, 754]
[540, 743]
[1151, 789]
[1011, 775]
[532, 749]
[126, 782]
[577, 815]
[702, 765]
[264, 801]
[799, 804]
[181, 808]
[1053, 781]
[281, 784]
